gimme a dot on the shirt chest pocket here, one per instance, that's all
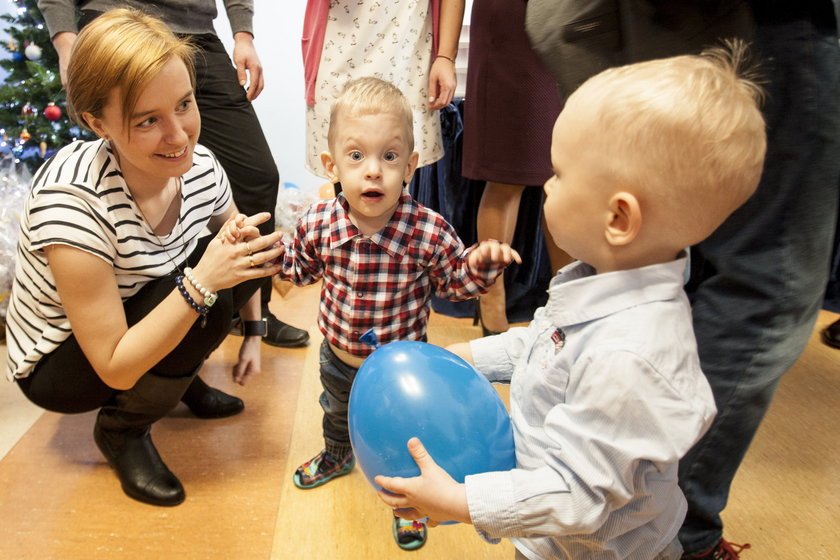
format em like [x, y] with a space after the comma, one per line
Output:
[543, 381]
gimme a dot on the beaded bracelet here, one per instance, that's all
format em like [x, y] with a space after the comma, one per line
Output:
[209, 297]
[202, 310]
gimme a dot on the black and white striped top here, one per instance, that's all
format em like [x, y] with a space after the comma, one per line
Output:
[79, 198]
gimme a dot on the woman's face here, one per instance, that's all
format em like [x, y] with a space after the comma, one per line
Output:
[164, 128]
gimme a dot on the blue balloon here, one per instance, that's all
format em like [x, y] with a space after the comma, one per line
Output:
[406, 389]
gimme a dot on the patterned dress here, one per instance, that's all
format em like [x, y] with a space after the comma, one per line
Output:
[389, 39]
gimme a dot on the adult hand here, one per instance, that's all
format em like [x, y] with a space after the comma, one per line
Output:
[249, 360]
[442, 82]
[433, 494]
[226, 264]
[249, 70]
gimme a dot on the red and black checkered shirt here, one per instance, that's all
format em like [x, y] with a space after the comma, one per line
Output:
[383, 282]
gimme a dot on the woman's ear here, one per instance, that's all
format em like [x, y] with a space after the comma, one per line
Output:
[95, 124]
[329, 166]
[625, 221]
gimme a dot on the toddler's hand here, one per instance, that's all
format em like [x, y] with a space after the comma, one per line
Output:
[433, 494]
[492, 252]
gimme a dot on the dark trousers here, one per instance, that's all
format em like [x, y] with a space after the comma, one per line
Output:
[64, 381]
[754, 313]
[229, 127]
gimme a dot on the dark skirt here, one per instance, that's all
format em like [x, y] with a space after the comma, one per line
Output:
[511, 100]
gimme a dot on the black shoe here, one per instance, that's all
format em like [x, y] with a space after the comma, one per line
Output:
[142, 473]
[282, 334]
[831, 334]
[207, 402]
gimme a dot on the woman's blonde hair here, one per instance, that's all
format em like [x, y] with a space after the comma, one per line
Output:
[371, 95]
[122, 49]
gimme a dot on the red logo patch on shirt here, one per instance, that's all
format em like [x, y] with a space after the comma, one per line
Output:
[558, 337]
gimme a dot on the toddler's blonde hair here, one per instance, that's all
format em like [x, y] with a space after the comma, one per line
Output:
[685, 132]
[371, 96]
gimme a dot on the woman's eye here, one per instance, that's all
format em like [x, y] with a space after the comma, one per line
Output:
[185, 104]
[356, 156]
[390, 156]
[147, 123]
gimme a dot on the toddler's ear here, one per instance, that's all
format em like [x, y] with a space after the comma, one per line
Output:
[411, 167]
[329, 166]
[625, 220]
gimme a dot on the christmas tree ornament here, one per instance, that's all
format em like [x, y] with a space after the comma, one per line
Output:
[27, 109]
[24, 135]
[52, 112]
[32, 51]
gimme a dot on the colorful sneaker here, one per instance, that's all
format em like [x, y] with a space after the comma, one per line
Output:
[723, 550]
[321, 469]
[410, 535]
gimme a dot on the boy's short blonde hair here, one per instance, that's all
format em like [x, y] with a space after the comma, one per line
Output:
[125, 49]
[369, 96]
[685, 132]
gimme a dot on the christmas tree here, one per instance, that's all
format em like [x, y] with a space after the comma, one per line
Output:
[33, 116]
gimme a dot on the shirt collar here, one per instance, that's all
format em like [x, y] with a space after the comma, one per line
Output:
[394, 238]
[578, 295]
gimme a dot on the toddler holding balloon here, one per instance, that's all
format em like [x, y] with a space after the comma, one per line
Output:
[607, 393]
[381, 256]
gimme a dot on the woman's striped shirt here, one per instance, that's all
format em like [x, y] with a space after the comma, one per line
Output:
[79, 198]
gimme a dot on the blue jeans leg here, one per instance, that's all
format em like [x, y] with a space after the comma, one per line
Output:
[753, 316]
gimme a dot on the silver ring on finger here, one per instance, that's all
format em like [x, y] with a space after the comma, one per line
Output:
[248, 248]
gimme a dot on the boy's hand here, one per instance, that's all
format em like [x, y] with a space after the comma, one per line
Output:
[492, 253]
[433, 494]
[239, 227]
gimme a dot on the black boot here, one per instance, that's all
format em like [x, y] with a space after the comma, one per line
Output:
[206, 402]
[122, 435]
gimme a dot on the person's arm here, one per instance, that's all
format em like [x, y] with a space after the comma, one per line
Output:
[60, 17]
[249, 69]
[121, 354]
[442, 80]
[249, 362]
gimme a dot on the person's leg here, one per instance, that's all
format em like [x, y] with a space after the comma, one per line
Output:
[753, 316]
[231, 129]
[496, 219]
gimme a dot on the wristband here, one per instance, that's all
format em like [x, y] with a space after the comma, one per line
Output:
[209, 297]
[200, 309]
[446, 57]
[255, 328]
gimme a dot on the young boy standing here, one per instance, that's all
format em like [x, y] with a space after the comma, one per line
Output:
[381, 256]
[606, 388]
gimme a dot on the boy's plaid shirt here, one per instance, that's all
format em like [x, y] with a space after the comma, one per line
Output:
[384, 282]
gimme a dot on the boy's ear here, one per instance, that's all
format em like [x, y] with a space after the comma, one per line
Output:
[329, 166]
[625, 221]
[411, 167]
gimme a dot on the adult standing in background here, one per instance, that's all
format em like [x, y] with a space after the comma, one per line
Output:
[224, 92]
[767, 265]
[412, 44]
[510, 107]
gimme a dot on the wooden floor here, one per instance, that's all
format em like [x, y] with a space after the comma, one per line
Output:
[60, 501]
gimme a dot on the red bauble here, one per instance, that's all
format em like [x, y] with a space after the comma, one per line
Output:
[52, 112]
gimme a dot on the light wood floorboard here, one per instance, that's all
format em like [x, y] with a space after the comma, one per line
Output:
[60, 501]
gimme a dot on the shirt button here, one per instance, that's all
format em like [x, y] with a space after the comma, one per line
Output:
[356, 334]
[361, 294]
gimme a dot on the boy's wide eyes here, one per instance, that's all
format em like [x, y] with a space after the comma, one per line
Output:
[390, 156]
[356, 156]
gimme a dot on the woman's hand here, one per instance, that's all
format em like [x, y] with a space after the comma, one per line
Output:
[227, 263]
[442, 82]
